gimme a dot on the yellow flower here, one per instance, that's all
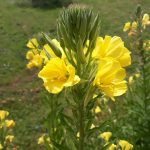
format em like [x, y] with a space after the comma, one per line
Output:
[137, 75]
[57, 75]
[32, 43]
[94, 96]
[29, 55]
[36, 61]
[112, 147]
[3, 114]
[125, 145]
[92, 126]
[127, 26]
[106, 136]
[131, 80]
[41, 139]
[10, 123]
[110, 78]
[97, 110]
[112, 47]
[9, 138]
[134, 25]
[147, 45]
[1, 147]
[145, 20]
[78, 135]
[30, 65]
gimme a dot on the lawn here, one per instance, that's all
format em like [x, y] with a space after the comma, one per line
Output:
[20, 91]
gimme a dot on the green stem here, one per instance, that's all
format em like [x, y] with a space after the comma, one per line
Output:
[81, 126]
[143, 62]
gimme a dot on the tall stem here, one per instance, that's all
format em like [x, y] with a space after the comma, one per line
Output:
[143, 63]
[81, 126]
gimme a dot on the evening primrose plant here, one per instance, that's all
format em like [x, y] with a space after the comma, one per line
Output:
[141, 87]
[134, 123]
[79, 68]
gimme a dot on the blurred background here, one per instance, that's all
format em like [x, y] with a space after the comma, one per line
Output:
[20, 91]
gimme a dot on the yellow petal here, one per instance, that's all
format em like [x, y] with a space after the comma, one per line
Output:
[48, 50]
[73, 79]
[1, 147]
[112, 147]
[92, 126]
[137, 75]
[3, 114]
[125, 59]
[10, 123]
[125, 145]
[106, 136]
[9, 138]
[120, 74]
[134, 25]
[33, 43]
[54, 87]
[108, 90]
[54, 68]
[131, 80]
[110, 78]
[97, 109]
[37, 60]
[29, 55]
[127, 26]
[145, 19]
[41, 139]
[120, 88]
[30, 65]
[112, 47]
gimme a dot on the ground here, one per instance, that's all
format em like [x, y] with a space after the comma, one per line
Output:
[20, 89]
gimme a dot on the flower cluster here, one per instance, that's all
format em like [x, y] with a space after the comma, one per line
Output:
[35, 60]
[112, 56]
[120, 144]
[131, 27]
[6, 126]
[57, 73]
[84, 64]
[39, 56]
[44, 140]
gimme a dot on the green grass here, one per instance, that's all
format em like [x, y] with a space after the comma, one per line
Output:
[19, 88]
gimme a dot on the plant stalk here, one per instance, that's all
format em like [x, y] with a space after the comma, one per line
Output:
[143, 63]
[81, 126]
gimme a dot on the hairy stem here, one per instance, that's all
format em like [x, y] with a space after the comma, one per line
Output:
[142, 59]
[81, 126]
